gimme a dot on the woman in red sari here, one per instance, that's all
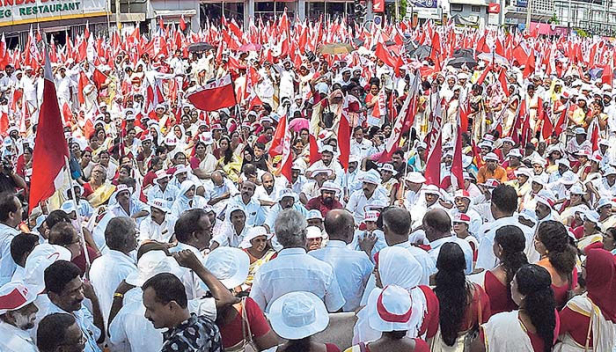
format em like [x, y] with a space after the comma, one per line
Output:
[534, 327]
[559, 257]
[588, 319]
[509, 249]
[463, 306]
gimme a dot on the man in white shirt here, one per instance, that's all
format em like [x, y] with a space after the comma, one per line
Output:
[65, 294]
[162, 189]
[463, 203]
[65, 87]
[294, 270]
[129, 330]
[397, 227]
[10, 217]
[219, 191]
[504, 205]
[255, 213]
[312, 188]
[368, 195]
[235, 231]
[108, 271]
[193, 231]
[353, 176]
[352, 268]
[437, 226]
[360, 146]
[17, 317]
[269, 189]
[159, 225]
[286, 200]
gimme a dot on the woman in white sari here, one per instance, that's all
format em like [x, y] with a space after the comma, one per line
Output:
[588, 319]
[397, 266]
[534, 326]
[187, 199]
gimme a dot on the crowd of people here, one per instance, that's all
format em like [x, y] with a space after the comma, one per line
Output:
[180, 229]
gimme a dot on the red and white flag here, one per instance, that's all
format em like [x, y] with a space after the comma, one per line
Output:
[214, 96]
[277, 146]
[396, 132]
[287, 153]
[48, 159]
[182, 24]
[351, 104]
[435, 143]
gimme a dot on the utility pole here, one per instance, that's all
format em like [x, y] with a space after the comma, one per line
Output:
[529, 10]
[397, 11]
[118, 22]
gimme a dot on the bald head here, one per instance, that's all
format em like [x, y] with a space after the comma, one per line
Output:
[339, 225]
[396, 225]
[217, 177]
[437, 224]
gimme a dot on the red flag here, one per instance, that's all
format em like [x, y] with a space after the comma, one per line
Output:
[344, 132]
[384, 55]
[67, 114]
[4, 119]
[286, 163]
[435, 144]
[277, 146]
[465, 109]
[49, 157]
[484, 74]
[214, 96]
[594, 135]
[547, 128]
[502, 79]
[81, 85]
[86, 31]
[562, 119]
[608, 75]
[182, 24]
[413, 105]
[99, 78]
[529, 69]
[314, 149]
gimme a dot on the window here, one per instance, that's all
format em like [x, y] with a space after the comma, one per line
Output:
[456, 7]
[475, 9]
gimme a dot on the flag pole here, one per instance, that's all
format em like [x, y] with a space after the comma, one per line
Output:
[80, 229]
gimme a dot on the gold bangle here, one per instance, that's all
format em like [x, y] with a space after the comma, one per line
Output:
[118, 295]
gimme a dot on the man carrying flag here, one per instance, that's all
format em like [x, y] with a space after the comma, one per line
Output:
[51, 152]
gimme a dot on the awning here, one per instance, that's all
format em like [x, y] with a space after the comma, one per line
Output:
[470, 2]
[128, 17]
[175, 13]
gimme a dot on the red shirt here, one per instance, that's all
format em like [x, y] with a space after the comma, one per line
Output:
[232, 333]
[317, 203]
[80, 260]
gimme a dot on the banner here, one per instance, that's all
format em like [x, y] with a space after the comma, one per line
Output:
[15, 12]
